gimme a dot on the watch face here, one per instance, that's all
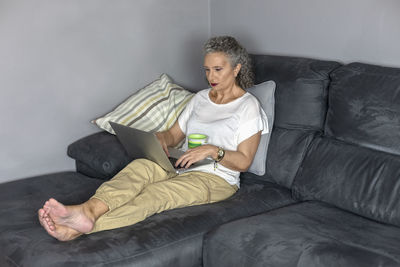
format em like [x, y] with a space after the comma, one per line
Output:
[221, 154]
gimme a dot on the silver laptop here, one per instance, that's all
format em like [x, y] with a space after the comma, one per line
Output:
[140, 144]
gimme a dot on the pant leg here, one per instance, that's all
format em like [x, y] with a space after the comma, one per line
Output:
[129, 182]
[188, 189]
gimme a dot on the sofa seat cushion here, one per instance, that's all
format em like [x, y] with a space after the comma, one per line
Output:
[172, 238]
[303, 235]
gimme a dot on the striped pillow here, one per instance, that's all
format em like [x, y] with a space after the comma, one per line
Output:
[153, 108]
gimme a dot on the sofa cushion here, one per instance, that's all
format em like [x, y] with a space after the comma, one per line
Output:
[361, 180]
[304, 235]
[300, 109]
[153, 108]
[264, 92]
[285, 153]
[171, 238]
[301, 88]
[99, 155]
[364, 106]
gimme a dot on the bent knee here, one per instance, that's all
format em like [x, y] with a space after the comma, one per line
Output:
[142, 163]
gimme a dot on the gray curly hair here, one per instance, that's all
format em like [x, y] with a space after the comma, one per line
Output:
[236, 53]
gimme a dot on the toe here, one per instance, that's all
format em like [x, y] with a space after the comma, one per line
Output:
[41, 213]
[41, 220]
[52, 201]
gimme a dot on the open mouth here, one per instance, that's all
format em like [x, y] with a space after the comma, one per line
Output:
[213, 84]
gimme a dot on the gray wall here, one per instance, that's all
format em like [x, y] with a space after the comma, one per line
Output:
[344, 30]
[64, 62]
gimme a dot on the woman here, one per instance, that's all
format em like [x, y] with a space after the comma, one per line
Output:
[231, 118]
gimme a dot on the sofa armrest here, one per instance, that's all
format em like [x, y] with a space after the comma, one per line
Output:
[99, 155]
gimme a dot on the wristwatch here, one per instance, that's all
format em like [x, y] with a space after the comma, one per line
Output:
[220, 154]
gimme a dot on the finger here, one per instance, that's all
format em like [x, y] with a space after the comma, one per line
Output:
[182, 158]
[163, 144]
[185, 161]
[190, 159]
[165, 149]
[179, 161]
[189, 163]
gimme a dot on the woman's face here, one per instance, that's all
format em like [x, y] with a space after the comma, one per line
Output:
[219, 71]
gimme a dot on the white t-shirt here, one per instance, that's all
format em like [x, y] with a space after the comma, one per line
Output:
[226, 125]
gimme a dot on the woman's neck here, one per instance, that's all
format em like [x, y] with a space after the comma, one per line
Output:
[227, 95]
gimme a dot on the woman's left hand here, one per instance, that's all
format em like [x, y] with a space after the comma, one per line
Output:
[195, 154]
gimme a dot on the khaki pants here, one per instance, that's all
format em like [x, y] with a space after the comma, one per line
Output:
[143, 188]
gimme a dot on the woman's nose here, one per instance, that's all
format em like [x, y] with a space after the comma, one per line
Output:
[210, 75]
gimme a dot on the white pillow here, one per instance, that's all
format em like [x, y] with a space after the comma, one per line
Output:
[264, 92]
[153, 108]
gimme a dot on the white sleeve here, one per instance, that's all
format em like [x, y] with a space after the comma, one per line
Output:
[185, 115]
[253, 119]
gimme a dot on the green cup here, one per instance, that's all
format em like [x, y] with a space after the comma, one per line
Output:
[195, 140]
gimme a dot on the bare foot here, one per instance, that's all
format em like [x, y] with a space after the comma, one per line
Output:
[59, 232]
[58, 216]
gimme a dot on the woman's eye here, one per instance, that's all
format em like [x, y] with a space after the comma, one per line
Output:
[218, 69]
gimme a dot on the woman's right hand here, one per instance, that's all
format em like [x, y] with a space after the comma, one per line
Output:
[161, 138]
[171, 137]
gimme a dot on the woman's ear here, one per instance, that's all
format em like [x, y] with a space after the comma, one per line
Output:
[236, 70]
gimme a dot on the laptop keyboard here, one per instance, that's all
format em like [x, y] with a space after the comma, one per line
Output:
[173, 161]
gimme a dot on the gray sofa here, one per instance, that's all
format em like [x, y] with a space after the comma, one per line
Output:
[329, 197]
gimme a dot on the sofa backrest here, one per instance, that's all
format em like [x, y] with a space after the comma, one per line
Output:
[355, 165]
[300, 108]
